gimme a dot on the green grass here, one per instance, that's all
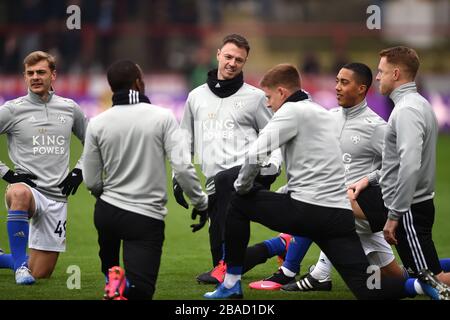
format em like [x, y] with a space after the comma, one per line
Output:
[184, 254]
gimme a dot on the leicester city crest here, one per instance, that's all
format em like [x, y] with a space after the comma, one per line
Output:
[355, 139]
[238, 105]
[61, 118]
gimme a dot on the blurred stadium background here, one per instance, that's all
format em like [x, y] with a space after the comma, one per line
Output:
[175, 42]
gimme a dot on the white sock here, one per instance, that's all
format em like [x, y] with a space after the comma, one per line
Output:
[287, 272]
[323, 268]
[230, 280]
[418, 287]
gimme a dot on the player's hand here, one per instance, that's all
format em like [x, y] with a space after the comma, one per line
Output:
[256, 186]
[14, 177]
[358, 187]
[203, 218]
[178, 193]
[389, 231]
[71, 183]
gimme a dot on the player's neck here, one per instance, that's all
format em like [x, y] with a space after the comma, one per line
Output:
[45, 97]
[401, 82]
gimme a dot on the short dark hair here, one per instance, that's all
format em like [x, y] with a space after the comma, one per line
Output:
[363, 74]
[284, 74]
[122, 74]
[238, 40]
[404, 56]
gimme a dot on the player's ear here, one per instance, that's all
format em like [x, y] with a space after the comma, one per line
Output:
[218, 54]
[396, 73]
[140, 84]
[362, 89]
[280, 90]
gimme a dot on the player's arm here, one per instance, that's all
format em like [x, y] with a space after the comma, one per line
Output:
[372, 179]
[272, 167]
[6, 116]
[177, 150]
[80, 123]
[93, 163]
[74, 178]
[6, 124]
[187, 125]
[377, 144]
[410, 132]
[377, 139]
[187, 128]
[179, 156]
[280, 129]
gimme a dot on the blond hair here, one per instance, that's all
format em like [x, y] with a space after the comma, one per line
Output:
[37, 56]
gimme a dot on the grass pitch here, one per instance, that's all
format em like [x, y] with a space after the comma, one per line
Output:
[185, 254]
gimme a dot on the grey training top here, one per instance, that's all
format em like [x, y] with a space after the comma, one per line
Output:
[39, 136]
[409, 160]
[220, 130]
[307, 134]
[361, 135]
[125, 151]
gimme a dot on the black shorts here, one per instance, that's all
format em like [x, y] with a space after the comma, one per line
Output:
[371, 202]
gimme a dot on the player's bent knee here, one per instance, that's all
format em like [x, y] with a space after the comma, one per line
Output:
[392, 270]
[19, 194]
[225, 179]
[18, 191]
[220, 178]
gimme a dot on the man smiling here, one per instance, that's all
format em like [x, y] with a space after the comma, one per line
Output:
[222, 118]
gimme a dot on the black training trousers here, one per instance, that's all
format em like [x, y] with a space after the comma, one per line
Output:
[218, 207]
[333, 230]
[142, 238]
[415, 243]
[414, 233]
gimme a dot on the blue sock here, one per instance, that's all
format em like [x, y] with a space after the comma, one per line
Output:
[296, 252]
[6, 261]
[409, 287]
[275, 246]
[445, 264]
[18, 229]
